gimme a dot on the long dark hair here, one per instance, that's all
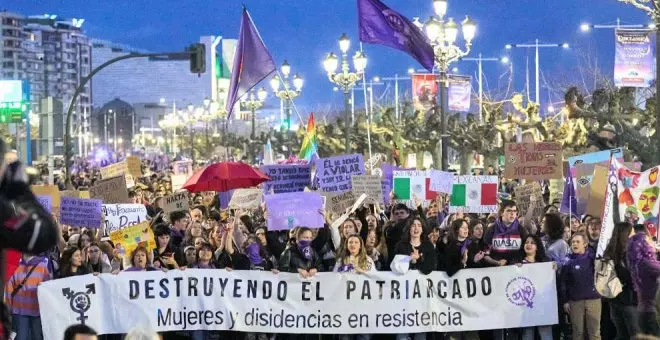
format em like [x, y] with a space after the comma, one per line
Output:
[453, 231]
[541, 255]
[406, 231]
[553, 226]
[618, 246]
[65, 260]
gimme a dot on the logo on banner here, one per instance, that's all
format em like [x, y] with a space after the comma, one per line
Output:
[79, 302]
[521, 292]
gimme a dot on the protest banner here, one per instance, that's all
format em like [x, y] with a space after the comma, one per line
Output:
[410, 184]
[584, 174]
[637, 199]
[598, 191]
[387, 179]
[474, 194]
[295, 209]
[556, 187]
[458, 93]
[110, 190]
[338, 203]
[634, 62]
[330, 303]
[529, 196]
[46, 202]
[598, 157]
[425, 91]
[370, 185]
[134, 166]
[129, 238]
[177, 201]
[287, 177]
[79, 212]
[114, 170]
[51, 191]
[178, 181]
[183, 168]
[533, 161]
[334, 173]
[120, 216]
[441, 181]
[245, 199]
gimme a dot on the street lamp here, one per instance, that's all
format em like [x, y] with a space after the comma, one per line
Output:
[442, 35]
[345, 80]
[253, 103]
[286, 95]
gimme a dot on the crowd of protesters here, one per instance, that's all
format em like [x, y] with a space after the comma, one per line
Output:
[374, 238]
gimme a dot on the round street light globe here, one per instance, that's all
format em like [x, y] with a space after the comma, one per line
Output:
[455, 69]
[585, 27]
[565, 45]
[411, 70]
[551, 109]
[504, 60]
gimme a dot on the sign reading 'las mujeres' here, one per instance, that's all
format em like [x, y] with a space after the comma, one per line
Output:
[533, 161]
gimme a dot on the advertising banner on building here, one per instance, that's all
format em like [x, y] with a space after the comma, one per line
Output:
[425, 91]
[329, 303]
[633, 58]
[459, 93]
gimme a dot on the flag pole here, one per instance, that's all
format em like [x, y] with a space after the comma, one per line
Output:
[366, 108]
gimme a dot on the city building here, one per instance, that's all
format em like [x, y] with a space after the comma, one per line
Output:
[54, 54]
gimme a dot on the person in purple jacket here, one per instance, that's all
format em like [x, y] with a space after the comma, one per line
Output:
[644, 270]
[577, 291]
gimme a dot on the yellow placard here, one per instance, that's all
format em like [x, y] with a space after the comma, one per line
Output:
[129, 238]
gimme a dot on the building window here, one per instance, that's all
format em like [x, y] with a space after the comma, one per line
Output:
[8, 54]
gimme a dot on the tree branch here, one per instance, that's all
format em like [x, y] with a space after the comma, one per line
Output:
[639, 4]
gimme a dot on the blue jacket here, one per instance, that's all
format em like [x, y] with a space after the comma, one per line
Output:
[576, 281]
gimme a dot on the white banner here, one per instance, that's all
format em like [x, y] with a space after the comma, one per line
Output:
[330, 303]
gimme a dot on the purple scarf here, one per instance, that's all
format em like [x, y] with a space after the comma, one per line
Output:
[464, 245]
[346, 268]
[253, 253]
[639, 250]
[501, 228]
[305, 248]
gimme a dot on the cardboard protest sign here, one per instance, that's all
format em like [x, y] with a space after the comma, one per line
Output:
[245, 199]
[334, 173]
[338, 203]
[183, 168]
[176, 202]
[598, 191]
[411, 184]
[120, 216]
[110, 190]
[358, 202]
[533, 161]
[51, 191]
[287, 177]
[529, 196]
[129, 238]
[441, 181]
[46, 202]
[370, 185]
[584, 174]
[114, 170]
[474, 194]
[297, 209]
[134, 165]
[556, 190]
[595, 158]
[78, 212]
[178, 181]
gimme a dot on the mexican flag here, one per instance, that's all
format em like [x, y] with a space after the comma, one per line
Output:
[411, 183]
[474, 194]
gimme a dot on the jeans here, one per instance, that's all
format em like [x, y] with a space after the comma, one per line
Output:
[585, 314]
[417, 336]
[26, 327]
[625, 321]
[648, 323]
[545, 332]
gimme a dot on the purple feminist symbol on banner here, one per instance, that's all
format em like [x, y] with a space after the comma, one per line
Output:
[521, 292]
[290, 220]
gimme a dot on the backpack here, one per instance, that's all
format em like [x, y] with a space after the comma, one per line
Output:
[606, 282]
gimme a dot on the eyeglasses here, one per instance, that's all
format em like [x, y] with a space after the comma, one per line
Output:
[93, 250]
[512, 211]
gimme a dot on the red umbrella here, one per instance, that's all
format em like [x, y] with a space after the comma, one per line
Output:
[225, 176]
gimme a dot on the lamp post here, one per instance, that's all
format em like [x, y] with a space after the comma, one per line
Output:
[286, 95]
[345, 80]
[253, 103]
[480, 60]
[442, 35]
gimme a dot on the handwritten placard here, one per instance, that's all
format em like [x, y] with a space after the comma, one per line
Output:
[176, 202]
[78, 212]
[110, 190]
[120, 216]
[51, 191]
[339, 203]
[245, 199]
[533, 161]
[287, 177]
[334, 173]
[370, 185]
[296, 209]
[46, 202]
[129, 238]
[529, 196]
[441, 181]
[134, 166]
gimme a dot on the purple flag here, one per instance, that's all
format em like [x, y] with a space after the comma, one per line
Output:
[378, 24]
[568, 200]
[252, 62]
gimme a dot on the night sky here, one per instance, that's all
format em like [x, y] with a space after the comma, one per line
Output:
[303, 31]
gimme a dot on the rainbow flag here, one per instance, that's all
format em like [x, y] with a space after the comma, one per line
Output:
[310, 144]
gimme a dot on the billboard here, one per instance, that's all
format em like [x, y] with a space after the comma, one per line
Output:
[14, 98]
[425, 91]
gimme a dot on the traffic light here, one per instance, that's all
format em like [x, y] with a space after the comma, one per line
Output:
[197, 58]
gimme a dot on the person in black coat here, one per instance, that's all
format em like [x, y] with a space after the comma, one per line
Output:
[415, 243]
[300, 257]
[456, 253]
